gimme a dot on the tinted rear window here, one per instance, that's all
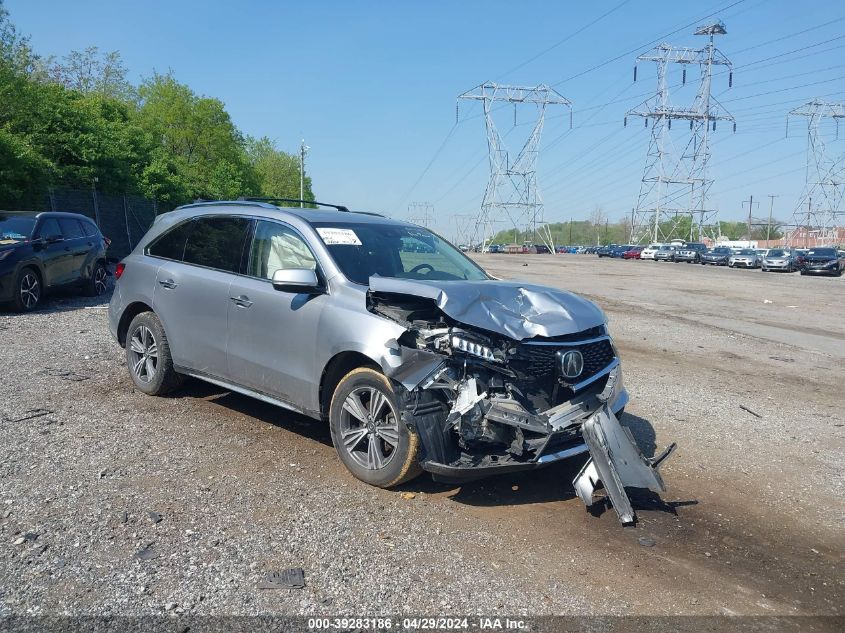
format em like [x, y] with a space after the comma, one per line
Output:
[217, 242]
[71, 228]
[822, 252]
[171, 244]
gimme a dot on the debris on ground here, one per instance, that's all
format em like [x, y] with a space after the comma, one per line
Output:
[407, 496]
[155, 517]
[754, 413]
[647, 541]
[293, 578]
[148, 553]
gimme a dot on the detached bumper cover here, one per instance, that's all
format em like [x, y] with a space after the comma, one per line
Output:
[616, 462]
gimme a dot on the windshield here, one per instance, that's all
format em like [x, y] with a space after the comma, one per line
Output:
[777, 253]
[721, 251]
[667, 248]
[15, 228]
[823, 252]
[394, 250]
[747, 251]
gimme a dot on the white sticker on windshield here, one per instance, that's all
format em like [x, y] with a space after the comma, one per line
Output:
[346, 237]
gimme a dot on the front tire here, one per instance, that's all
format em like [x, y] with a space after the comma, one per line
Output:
[28, 290]
[148, 356]
[367, 432]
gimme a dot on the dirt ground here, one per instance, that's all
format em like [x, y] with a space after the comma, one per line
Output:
[752, 523]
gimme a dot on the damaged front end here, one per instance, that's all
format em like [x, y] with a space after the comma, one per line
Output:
[483, 402]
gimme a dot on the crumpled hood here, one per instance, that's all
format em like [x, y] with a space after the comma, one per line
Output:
[514, 309]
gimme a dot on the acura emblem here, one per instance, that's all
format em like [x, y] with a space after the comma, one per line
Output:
[572, 364]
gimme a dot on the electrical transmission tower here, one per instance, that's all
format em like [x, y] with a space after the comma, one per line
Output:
[421, 213]
[463, 229]
[512, 191]
[820, 211]
[675, 184]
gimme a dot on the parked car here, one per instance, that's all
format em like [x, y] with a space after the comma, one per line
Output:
[690, 252]
[618, 251]
[821, 261]
[604, 251]
[782, 259]
[418, 361]
[665, 253]
[718, 256]
[539, 249]
[745, 258]
[633, 253]
[46, 251]
[649, 251]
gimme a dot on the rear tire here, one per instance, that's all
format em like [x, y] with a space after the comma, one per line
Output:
[367, 432]
[148, 356]
[99, 282]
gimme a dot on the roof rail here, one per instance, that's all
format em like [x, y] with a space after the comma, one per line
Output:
[339, 207]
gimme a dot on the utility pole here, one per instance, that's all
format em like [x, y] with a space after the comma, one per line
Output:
[824, 171]
[303, 149]
[769, 226]
[750, 203]
[672, 176]
[94, 182]
[512, 193]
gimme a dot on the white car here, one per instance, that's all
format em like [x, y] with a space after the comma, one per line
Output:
[649, 251]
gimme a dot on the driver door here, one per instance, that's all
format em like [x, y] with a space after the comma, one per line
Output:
[273, 333]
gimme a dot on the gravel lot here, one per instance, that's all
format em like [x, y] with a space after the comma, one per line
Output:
[752, 522]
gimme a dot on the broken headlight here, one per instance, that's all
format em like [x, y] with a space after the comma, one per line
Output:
[472, 347]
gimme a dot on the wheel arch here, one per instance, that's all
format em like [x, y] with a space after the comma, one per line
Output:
[131, 311]
[338, 366]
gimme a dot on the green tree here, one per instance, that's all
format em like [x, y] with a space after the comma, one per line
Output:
[93, 72]
[276, 171]
[204, 147]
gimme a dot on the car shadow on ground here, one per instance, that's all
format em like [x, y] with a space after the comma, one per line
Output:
[544, 485]
[63, 300]
[308, 428]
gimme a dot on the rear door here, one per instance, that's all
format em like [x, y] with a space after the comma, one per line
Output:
[272, 333]
[191, 295]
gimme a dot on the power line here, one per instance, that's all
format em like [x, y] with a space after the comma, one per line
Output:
[567, 38]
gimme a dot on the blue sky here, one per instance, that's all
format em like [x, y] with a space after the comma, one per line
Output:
[371, 86]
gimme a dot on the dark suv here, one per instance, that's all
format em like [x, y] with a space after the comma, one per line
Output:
[44, 251]
[690, 252]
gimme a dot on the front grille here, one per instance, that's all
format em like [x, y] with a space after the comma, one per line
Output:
[541, 360]
[537, 368]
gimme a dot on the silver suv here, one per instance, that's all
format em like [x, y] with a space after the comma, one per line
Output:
[416, 357]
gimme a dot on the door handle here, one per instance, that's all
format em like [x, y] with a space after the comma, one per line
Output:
[242, 301]
[168, 283]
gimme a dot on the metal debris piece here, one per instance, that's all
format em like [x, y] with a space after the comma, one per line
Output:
[286, 579]
[616, 461]
[647, 541]
[30, 414]
[148, 553]
[754, 413]
[155, 517]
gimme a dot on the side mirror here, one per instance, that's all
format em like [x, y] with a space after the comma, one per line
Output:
[296, 280]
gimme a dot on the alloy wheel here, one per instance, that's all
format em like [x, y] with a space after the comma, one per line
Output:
[369, 428]
[143, 353]
[100, 280]
[30, 291]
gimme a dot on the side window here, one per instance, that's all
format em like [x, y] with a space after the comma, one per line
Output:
[49, 228]
[90, 228]
[276, 247]
[217, 242]
[171, 244]
[71, 228]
